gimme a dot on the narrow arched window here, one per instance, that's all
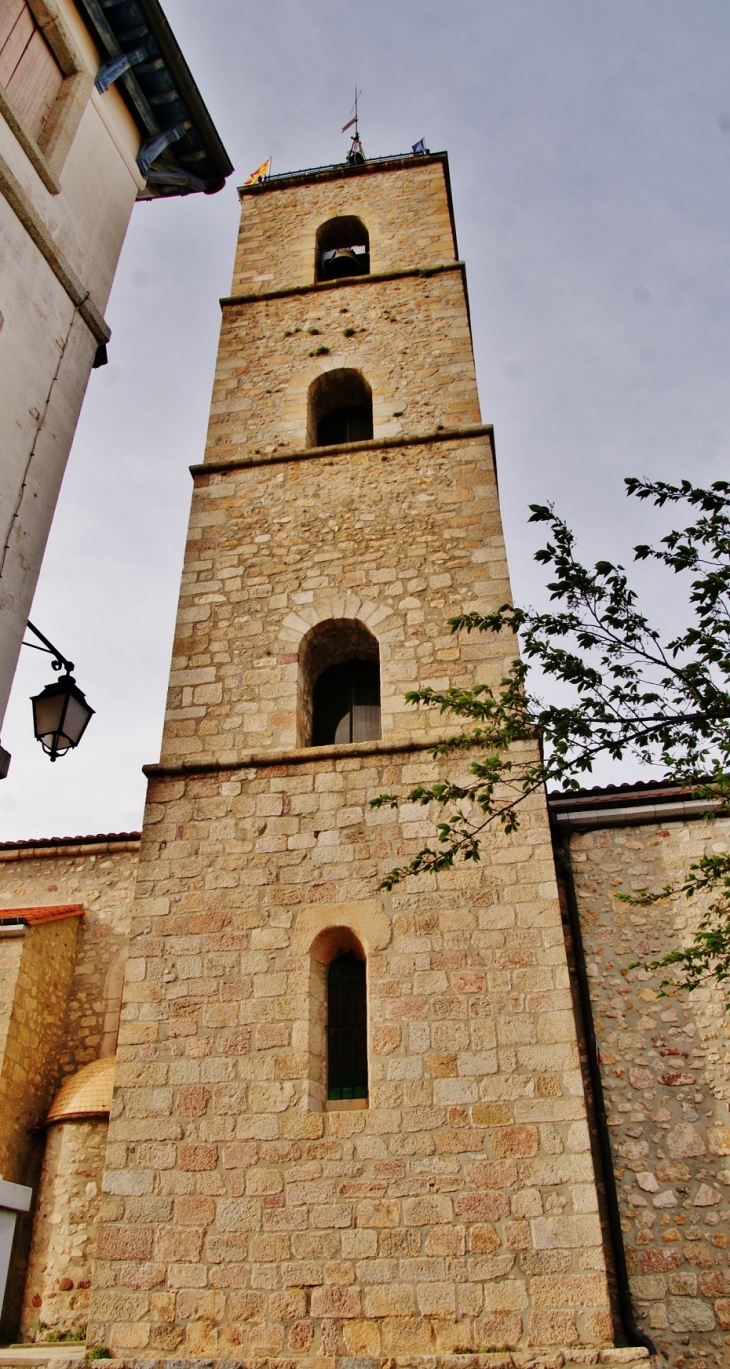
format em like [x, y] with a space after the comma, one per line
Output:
[340, 408]
[347, 1050]
[339, 684]
[343, 248]
[346, 704]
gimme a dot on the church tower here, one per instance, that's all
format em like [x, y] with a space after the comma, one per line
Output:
[346, 1123]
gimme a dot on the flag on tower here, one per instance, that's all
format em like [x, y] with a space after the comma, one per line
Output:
[419, 148]
[259, 174]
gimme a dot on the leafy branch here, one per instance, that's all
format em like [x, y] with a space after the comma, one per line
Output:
[632, 695]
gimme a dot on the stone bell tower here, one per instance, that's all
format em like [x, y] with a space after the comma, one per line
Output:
[345, 1123]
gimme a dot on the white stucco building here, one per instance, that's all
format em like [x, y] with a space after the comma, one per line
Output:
[97, 109]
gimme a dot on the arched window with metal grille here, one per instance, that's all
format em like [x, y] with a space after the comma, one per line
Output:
[347, 1051]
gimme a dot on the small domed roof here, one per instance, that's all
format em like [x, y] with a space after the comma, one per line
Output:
[88, 1093]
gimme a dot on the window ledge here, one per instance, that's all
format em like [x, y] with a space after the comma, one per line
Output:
[346, 1104]
[31, 149]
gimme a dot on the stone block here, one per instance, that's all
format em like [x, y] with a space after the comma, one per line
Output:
[124, 1243]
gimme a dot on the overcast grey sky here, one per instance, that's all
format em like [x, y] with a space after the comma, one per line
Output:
[589, 143]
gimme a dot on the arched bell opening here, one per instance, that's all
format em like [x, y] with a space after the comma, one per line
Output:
[342, 248]
[339, 684]
[340, 408]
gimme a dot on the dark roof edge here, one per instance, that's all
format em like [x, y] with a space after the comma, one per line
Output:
[626, 805]
[159, 26]
[42, 843]
[641, 791]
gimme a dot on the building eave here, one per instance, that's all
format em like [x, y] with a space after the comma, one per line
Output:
[626, 805]
[161, 94]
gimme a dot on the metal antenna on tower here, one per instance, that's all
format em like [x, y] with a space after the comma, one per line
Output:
[356, 155]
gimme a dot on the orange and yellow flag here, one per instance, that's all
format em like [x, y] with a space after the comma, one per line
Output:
[259, 174]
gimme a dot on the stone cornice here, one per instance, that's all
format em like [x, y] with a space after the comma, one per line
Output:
[345, 283]
[337, 171]
[301, 755]
[374, 444]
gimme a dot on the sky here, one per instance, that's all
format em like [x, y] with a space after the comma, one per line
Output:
[589, 146]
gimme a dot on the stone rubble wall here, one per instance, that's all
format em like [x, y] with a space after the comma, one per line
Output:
[60, 999]
[104, 885]
[545, 1357]
[409, 338]
[35, 971]
[276, 244]
[459, 1210]
[64, 1231]
[665, 1065]
[399, 540]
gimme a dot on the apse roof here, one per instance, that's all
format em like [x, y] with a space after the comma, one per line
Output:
[88, 1093]
[161, 95]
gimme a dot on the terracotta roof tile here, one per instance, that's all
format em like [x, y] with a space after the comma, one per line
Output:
[34, 917]
[88, 1093]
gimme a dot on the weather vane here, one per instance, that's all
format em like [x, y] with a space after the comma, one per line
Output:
[356, 155]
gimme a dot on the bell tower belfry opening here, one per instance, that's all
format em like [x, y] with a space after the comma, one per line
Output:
[347, 1124]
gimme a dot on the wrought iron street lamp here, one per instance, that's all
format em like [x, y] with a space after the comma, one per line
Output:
[60, 712]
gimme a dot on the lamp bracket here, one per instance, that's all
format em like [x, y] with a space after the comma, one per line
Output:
[59, 662]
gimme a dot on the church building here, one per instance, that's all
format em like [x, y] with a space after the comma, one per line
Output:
[271, 1114]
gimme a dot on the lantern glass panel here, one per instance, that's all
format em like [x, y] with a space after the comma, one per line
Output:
[77, 716]
[47, 710]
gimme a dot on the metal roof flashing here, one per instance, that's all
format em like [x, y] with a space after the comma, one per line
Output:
[181, 152]
[625, 805]
[395, 161]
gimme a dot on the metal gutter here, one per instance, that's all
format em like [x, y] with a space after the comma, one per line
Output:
[634, 815]
[628, 806]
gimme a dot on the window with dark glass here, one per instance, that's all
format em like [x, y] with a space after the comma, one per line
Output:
[351, 423]
[347, 1052]
[340, 408]
[343, 248]
[346, 704]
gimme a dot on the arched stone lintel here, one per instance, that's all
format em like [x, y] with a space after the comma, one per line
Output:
[366, 919]
[297, 625]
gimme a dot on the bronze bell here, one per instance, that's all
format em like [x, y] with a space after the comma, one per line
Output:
[344, 263]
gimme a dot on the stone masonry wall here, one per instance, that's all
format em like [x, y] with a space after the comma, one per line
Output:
[458, 1211]
[36, 1000]
[64, 1230]
[405, 212]
[103, 882]
[243, 1214]
[666, 1072]
[409, 338]
[399, 540]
